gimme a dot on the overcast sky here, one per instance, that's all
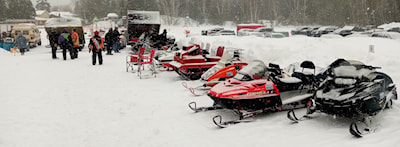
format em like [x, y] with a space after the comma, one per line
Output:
[55, 2]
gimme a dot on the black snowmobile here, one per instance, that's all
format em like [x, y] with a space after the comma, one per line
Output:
[255, 90]
[352, 89]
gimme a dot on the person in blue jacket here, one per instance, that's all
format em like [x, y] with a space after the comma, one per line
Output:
[21, 43]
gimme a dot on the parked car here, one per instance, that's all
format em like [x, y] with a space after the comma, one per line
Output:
[389, 35]
[245, 32]
[348, 30]
[210, 31]
[394, 29]
[304, 30]
[367, 33]
[262, 31]
[29, 31]
[224, 32]
[274, 35]
[323, 30]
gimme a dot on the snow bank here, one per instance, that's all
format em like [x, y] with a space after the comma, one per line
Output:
[46, 102]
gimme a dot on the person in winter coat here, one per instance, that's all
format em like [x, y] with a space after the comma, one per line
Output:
[163, 37]
[76, 44]
[65, 42]
[96, 46]
[109, 40]
[22, 43]
[115, 36]
[53, 38]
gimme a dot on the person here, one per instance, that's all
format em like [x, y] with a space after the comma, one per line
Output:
[53, 38]
[22, 43]
[96, 46]
[76, 44]
[163, 37]
[65, 42]
[115, 36]
[109, 40]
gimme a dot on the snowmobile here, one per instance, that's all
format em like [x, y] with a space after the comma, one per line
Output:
[253, 91]
[226, 68]
[163, 57]
[354, 90]
[193, 62]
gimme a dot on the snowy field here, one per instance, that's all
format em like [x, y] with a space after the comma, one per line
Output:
[56, 103]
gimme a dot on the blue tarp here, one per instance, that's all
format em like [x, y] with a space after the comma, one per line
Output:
[7, 46]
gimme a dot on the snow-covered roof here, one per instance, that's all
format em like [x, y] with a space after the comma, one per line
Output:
[144, 17]
[63, 22]
[62, 14]
[113, 15]
[40, 12]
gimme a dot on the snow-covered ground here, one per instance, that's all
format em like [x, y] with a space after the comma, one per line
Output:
[48, 103]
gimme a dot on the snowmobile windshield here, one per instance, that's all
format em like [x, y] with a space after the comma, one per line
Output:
[346, 71]
[255, 70]
[242, 77]
[211, 72]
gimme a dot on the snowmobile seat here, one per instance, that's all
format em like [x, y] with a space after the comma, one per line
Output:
[274, 70]
[306, 77]
[220, 51]
[217, 56]
[307, 64]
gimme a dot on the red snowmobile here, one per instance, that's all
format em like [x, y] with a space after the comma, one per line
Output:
[226, 68]
[193, 62]
[252, 91]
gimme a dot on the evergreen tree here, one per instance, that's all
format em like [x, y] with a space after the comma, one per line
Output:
[3, 10]
[21, 9]
[43, 5]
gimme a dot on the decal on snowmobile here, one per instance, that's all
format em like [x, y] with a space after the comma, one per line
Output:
[229, 74]
[269, 87]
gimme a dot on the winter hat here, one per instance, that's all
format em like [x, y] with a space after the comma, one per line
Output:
[96, 33]
[65, 31]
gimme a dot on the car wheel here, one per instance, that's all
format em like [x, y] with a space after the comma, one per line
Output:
[40, 43]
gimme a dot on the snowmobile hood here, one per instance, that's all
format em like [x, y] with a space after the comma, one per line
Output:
[235, 89]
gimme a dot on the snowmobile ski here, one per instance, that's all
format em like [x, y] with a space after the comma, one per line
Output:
[292, 116]
[354, 130]
[203, 90]
[223, 124]
[184, 84]
[193, 106]
[193, 91]
[357, 132]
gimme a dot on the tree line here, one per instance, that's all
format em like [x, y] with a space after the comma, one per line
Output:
[16, 9]
[284, 12]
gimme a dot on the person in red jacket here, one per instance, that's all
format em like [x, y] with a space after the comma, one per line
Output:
[76, 45]
[96, 46]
